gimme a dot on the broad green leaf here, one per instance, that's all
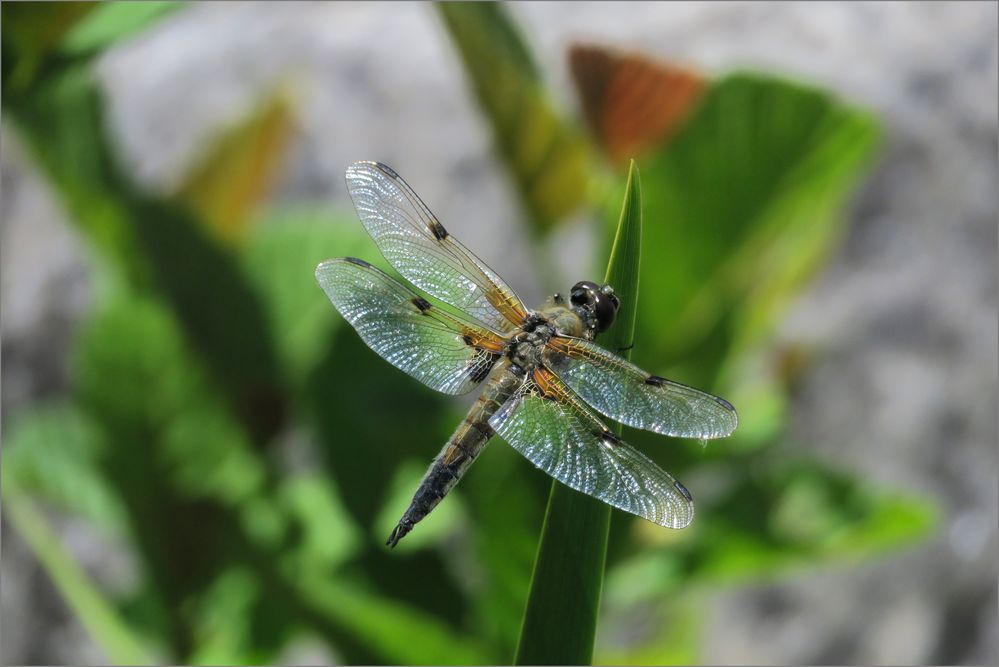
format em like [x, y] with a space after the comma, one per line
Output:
[280, 259]
[545, 155]
[52, 452]
[743, 206]
[237, 169]
[137, 378]
[113, 22]
[154, 243]
[328, 536]
[221, 314]
[201, 503]
[97, 614]
[564, 600]
[787, 517]
[174, 454]
[745, 202]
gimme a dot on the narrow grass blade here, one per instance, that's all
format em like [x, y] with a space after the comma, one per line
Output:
[545, 154]
[562, 606]
[97, 614]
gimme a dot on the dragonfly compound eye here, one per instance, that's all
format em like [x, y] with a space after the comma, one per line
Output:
[584, 293]
[606, 310]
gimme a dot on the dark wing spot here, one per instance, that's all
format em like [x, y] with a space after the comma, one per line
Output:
[421, 303]
[655, 380]
[481, 364]
[359, 262]
[610, 437]
[389, 171]
[682, 489]
[725, 404]
[438, 229]
[467, 339]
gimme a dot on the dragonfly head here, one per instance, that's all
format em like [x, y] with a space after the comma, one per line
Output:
[596, 304]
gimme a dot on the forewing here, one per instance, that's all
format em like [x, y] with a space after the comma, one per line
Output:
[625, 393]
[445, 352]
[549, 426]
[417, 245]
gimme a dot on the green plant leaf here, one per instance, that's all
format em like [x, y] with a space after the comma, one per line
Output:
[785, 517]
[31, 31]
[282, 247]
[396, 632]
[97, 615]
[52, 452]
[546, 156]
[746, 201]
[154, 243]
[175, 454]
[61, 121]
[235, 172]
[564, 600]
[113, 22]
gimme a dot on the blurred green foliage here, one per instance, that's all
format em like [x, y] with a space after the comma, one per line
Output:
[210, 431]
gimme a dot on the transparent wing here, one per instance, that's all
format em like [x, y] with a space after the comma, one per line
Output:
[417, 245]
[547, 424]
[444, 352]
[625, 393]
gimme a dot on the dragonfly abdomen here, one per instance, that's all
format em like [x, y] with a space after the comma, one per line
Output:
[462, 448]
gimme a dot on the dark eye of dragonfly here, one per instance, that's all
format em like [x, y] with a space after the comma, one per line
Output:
[583, 293]
[601, 300]
[606, 306]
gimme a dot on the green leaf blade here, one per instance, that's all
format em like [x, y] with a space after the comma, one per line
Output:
[97, 614]
[546, 156]
[564, 600]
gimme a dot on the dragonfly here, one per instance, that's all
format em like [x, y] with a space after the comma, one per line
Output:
[545, 382]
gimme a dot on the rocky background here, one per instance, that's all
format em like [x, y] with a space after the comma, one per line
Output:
[903, 388]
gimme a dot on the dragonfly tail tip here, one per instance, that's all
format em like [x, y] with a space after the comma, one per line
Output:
[398, 533]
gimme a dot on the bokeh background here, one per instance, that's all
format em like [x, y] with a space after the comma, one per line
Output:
[201, 461]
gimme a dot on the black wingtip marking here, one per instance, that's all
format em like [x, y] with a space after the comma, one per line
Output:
[682, 489]
[421, 303]
[725, 404]
[389, 171]
[438, 229]
[359, 262]
[655, 380]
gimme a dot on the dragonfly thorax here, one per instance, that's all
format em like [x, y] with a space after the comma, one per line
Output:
[525, 349]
